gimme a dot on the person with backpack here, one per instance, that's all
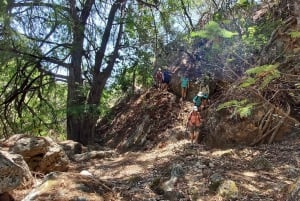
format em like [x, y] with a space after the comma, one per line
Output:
[166, 78]
[184, 80]
[158, 78]
[194, 122]
[201, 100]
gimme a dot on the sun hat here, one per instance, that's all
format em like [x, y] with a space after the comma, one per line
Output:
[200, 93]
[195, 108]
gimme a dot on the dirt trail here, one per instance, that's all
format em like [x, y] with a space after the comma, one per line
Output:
[133, 173]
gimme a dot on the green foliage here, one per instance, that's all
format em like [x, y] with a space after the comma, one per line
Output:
[295, 34]
[32, 111]
[213, 30]
[248, 82]
[243, 108]
[256, 36]
[243, 3]
[261, 75]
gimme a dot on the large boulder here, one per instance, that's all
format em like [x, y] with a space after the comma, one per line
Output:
[14, 172]
[41, 154]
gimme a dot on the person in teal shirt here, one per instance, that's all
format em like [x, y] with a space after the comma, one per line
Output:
[184, 86]
[200, 100]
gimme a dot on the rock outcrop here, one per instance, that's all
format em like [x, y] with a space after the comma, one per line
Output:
[14, 172]
[41, 154]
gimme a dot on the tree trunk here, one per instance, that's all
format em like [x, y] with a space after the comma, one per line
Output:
[91, 112]
[76, 98]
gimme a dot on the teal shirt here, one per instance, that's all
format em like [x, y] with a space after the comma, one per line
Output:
[184, 82]
[198, 100]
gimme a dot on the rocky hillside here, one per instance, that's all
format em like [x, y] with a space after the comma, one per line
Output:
[144, 121]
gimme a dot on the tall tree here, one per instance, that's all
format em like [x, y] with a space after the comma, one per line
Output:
[80, 42]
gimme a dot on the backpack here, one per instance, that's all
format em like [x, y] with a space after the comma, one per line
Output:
[167, 76]
[195, 119]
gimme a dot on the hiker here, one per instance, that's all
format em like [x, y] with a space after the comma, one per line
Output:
[158, 78]
[184, 86]
[194, 122]
[166, 78]
[201, 100]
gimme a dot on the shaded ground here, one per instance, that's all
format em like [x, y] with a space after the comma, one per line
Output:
[131, 174]
[263, 172]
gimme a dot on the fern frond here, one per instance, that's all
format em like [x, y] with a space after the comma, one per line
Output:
[264, 74]
[248, 82]
[295, 34]
[243, 108]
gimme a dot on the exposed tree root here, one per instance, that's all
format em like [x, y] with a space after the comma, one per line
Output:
[266, 129]
[265, 122]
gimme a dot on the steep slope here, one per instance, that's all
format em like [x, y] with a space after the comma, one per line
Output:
[144, 121]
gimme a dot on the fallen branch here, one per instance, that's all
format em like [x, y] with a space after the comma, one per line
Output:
[279, 125]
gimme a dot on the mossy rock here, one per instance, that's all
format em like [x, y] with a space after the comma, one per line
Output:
[261, 163]
[228, 190]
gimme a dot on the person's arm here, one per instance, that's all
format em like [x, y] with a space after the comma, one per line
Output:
[194, 99]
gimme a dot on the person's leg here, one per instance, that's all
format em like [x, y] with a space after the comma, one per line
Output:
[192, 137]
[196, 134]
[167, 86]
[184, 92]
[192, 134]
[201, 107]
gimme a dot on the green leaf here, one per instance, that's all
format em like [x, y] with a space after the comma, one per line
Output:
[242, 108]
[228, 34]
[262, 75]
[213, 30]
[295, 34]
[248, 82]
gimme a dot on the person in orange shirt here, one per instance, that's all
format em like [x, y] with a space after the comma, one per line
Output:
[194, 122]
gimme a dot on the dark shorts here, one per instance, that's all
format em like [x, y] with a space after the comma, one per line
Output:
[166, 81]
[194, 128]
